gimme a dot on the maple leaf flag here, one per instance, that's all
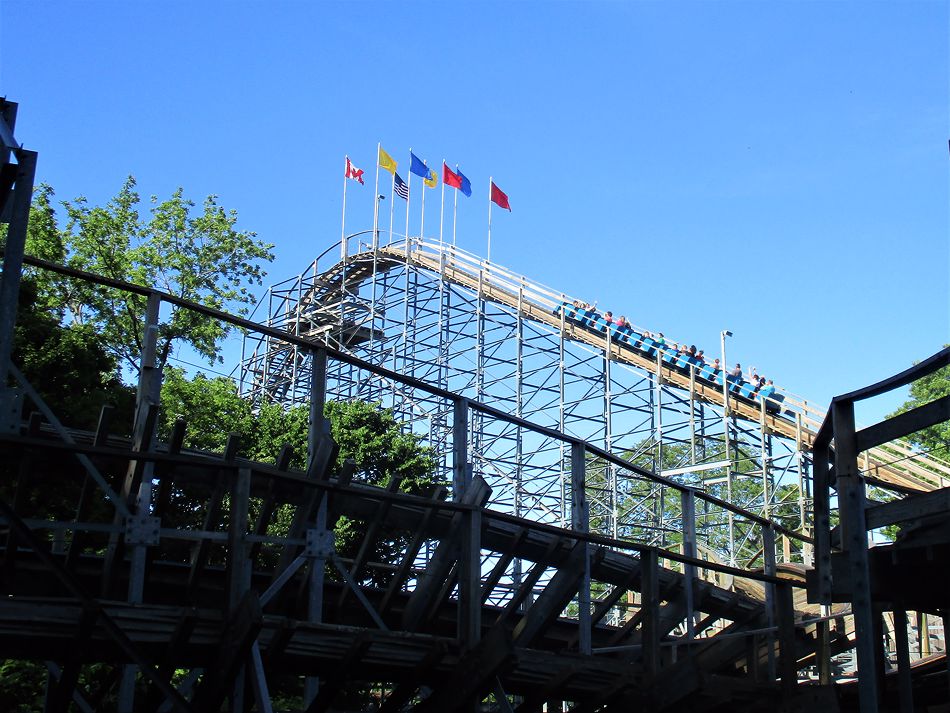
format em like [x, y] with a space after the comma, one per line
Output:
[354, 172]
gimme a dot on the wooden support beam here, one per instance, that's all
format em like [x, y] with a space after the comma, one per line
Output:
[902, 424]
[650, 611]
[164, 472]
[269, 502]
[553, 598]
[113, 631]
[59, 696]
[788, 657]
[412, 550]
[851, 503]
[88, 489]
[550, 690]
[370, 537]
[332, 685]
[905, 688]
[279, 641]
[474, 675]
[212, 518]
[504, 559]
[551, 555]
[401, 695]
[909, 508]
[323, 454]
[431, 581]
[237, 637]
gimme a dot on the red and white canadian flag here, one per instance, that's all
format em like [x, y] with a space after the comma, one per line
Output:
[354, 172]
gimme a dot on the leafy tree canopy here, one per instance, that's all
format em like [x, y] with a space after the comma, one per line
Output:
[936, 439]
[193, 253]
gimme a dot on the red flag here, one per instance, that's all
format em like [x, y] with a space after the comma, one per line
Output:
[450, 178]
[354, 172]
[498, 197]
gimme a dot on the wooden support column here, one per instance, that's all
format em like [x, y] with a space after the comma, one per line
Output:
[137, 487]
[470, 565]
[650, 609]
[821, 505]
[239, 568]
[851, 500]
[688, 501]
[904, 683]
[823, 651]
[772, 613]
[580, 522]
[788, 659]
[318, 435]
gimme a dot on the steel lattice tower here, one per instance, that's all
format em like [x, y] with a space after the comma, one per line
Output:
[448, 318]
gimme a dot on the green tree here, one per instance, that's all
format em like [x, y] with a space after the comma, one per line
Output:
[364, 432]
[936, 439]
[67, 366]
[193, 254]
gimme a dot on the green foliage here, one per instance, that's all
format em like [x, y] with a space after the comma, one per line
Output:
[936, 439]
[374, 439]
[194, 254]
[67, 365]
[22, 685]
[364, 432]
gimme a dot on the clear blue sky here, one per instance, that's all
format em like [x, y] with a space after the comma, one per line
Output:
[777, 169]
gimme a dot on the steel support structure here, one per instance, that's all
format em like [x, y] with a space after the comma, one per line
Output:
[443, 316]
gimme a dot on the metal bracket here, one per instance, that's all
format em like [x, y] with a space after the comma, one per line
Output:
[319, 544]
[142, 530]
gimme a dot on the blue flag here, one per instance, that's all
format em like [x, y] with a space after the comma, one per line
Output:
[466, 186]
[417, 167]
[400, 187]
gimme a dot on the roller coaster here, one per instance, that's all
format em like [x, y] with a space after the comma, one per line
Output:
[615, 527]
[454, 320]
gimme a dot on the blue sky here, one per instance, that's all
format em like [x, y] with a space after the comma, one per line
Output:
[776, 169]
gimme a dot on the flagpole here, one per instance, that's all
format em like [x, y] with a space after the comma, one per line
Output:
[422, 221]
[442, 209]
[343, 219]
[376, 201]
[491, 182]
[408, 194]
[455, 210]
[392, 205]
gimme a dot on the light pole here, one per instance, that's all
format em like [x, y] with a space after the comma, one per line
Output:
[379, 198]
[725, 439]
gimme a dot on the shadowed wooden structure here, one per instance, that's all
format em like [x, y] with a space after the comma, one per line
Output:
[201, 579]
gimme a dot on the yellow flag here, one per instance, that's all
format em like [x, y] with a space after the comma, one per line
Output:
[386, 161]
[431, 181]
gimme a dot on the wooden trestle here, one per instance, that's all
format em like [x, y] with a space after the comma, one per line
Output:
[242, 604]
